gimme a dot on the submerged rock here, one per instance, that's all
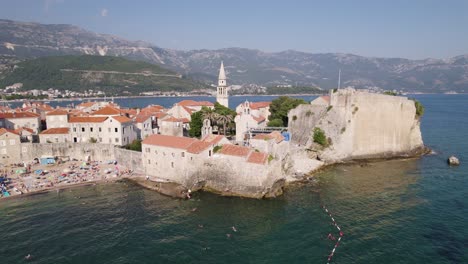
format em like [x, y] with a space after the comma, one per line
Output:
[453, 161]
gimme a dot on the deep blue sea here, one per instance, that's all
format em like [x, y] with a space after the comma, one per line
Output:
[399, 211]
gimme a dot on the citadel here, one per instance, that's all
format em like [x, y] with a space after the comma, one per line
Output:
[257, 162]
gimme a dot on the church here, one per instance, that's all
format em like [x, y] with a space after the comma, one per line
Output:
[222, 90]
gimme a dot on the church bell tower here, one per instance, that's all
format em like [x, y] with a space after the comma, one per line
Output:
[222, 93]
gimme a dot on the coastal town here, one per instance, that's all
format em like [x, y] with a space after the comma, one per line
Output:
[42, 147]
[161, 130]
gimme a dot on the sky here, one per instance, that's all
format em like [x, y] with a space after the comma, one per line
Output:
[414, 29]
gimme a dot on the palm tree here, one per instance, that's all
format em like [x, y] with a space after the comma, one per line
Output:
[210, 115]
[224, 119]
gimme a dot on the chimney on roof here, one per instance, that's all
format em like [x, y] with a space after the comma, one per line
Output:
[138, 110]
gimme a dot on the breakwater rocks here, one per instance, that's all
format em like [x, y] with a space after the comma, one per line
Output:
[177, 190]
[453, 161]
[171, 189]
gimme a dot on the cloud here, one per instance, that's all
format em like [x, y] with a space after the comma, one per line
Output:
[49, 3]
[104, 12]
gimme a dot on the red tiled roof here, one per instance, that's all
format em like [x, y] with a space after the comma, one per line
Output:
[56, 130]
[277, 136]
[326, 98]
[256, 105]
[262, 136]
[87, 104]
[18, 115]
[122, 119]
[259, 119]
[213, 139]
[171, 119]
[160, 115]
[152, 109]
[257, 157]
[189, 110]
[169, 141]
[4, 130]
[108, 110]
[87, 119]
[44, 107]
[195, 103]
[57, 112]
[198, 146]
[19, 130]
[141, 117]
[234, 150]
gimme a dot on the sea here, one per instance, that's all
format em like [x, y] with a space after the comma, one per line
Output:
[397, 211]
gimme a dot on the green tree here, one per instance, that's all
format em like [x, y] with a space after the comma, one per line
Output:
[419, 108]
[135, 145]
[319, 137]
[196, 124]
[275, 123]
[280, 107]
[224, 120]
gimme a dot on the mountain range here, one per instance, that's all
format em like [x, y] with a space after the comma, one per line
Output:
[21, 41]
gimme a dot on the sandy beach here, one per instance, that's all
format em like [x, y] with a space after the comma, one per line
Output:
[36, 178]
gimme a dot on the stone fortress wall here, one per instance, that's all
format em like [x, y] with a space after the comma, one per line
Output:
[80, 151]
[359, 125]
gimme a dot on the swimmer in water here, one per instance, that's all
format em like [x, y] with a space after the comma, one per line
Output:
[234, 229]
[28, 257]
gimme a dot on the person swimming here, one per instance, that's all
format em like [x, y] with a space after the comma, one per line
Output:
[28, 257]
[234, 229]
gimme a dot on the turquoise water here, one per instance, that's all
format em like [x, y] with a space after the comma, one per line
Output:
[401, 211]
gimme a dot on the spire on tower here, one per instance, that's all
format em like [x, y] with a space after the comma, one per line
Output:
[222, 74]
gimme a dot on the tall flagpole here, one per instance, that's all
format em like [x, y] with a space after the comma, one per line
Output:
[339, 78]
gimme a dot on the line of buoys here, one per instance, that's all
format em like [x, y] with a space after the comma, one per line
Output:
[340, 232]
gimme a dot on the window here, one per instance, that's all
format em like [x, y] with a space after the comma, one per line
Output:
[147, 150]
[91, 129]
[116, 140]
[182, 154]
[100, 130]
[149, 161]
[209, 153]
[156, 152]
[2, 142]
[12, 141]
[116, 129]
[82, 129]
[172, 164]
[109, 129]
[74, 129]
[56, 140]
[173, 155]
[100, 139]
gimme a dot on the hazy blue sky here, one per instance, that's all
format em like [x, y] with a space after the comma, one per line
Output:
[392, 28]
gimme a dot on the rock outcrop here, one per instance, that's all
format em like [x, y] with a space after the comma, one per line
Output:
[453, 161]
[358, 125]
